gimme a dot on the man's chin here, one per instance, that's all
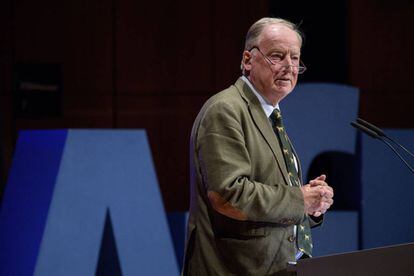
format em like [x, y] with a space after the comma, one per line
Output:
[283, 90]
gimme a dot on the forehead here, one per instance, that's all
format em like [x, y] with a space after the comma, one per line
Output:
[278, 36]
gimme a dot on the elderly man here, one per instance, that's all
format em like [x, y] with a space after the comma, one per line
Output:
[249, 213]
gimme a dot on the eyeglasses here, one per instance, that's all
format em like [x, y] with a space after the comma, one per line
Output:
[299, 69]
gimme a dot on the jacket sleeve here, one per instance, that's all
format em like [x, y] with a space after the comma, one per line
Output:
[316, 221]
[225, 169]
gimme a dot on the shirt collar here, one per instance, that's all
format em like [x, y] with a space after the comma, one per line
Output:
[267, 107]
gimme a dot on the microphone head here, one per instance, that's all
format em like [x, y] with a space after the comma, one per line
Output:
[371, 127]
[365, 130]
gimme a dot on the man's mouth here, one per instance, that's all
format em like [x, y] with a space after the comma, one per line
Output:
[283, 80]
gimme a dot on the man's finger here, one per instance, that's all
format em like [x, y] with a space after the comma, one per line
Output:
[327, 200]
[326, 191]
[321, 177]
[318, 182]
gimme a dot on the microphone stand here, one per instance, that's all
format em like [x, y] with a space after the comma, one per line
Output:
[377, 133]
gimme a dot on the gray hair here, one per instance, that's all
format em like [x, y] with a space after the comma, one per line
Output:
[256, 29]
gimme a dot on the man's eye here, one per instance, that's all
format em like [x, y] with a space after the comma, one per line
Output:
[295, 59]
[276, 57]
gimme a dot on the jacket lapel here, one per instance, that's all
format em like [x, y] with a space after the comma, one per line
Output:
[263, 124]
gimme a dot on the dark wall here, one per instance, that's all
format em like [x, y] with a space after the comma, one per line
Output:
[324, 24]
[381, 59]
[126, 64]
[6, 53]
[367, 44]
[135, 64]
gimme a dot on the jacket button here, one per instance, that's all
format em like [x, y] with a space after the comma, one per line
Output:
[291, 238]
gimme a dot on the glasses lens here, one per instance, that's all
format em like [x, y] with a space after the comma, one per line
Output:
[301, 69]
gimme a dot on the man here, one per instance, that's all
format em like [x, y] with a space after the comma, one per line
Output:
[249, 215]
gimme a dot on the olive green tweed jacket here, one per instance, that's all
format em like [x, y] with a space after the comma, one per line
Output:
[243, 210]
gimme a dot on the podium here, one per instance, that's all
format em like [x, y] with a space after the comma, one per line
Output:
[392, 260]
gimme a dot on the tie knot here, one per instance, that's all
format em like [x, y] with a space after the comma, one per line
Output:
[276, 117]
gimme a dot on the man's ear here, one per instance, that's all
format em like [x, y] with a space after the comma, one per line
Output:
[246, 61]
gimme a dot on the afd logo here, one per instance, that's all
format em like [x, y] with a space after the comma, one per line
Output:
[84, 202]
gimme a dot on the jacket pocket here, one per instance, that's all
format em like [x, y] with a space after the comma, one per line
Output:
[225, 227]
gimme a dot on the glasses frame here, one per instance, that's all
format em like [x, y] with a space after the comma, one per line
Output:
[301, 67]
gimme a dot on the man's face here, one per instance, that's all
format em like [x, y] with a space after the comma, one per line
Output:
[268, 68]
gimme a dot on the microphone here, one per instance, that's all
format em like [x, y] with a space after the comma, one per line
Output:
[362, 128]
[377, 133]
[381, 133]
[371, 127]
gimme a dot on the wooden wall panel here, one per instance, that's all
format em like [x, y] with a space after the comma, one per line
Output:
[134, 64]
[88, 64]
[170, 59]
[152, 64]
[77, 35]
[163, 47]
[88, 47]
[38, 32]
[6, 61]
[231, 20]
[168, 122]
[381, 60]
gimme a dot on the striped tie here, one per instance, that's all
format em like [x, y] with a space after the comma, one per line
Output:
[304, 239]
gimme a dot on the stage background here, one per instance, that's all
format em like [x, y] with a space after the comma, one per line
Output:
[151, 65]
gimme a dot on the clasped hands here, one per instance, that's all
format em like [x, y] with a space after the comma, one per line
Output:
[317, 195]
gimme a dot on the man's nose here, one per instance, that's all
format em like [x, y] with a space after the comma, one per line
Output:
[287, 61]
[287, 64]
